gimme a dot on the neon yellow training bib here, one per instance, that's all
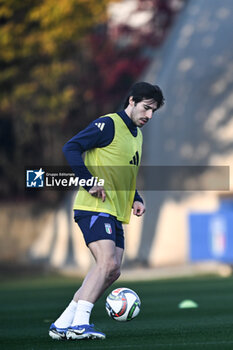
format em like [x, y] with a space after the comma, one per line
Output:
[118, 165]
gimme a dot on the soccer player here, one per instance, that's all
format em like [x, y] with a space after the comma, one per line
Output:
[109, 142]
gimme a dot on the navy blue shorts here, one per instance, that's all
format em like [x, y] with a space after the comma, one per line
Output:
[97, 226]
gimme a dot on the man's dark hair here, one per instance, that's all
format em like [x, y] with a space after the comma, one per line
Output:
[145, 91]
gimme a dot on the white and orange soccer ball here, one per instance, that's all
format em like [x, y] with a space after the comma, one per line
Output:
[123, 304]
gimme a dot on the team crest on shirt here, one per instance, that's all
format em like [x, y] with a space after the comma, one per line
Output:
[108, 228]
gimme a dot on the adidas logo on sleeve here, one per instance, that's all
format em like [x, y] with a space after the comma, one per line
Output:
[100, 126]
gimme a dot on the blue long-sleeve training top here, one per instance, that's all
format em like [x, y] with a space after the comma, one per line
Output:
[98, 133]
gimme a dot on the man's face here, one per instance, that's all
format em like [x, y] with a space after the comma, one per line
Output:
[142, 112]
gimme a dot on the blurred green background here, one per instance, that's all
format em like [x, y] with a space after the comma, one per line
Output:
[63, 64]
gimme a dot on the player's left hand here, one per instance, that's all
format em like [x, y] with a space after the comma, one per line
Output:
[138, 208]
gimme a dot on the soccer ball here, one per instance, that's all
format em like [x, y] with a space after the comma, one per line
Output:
[123, 304]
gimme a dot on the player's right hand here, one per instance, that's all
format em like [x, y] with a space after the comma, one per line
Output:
[98, 191]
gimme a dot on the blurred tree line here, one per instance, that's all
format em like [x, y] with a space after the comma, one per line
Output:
[60, 69]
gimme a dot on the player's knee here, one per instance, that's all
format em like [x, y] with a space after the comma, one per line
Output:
[113, 270]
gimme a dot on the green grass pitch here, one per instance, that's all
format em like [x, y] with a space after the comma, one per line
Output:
[28, 307]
